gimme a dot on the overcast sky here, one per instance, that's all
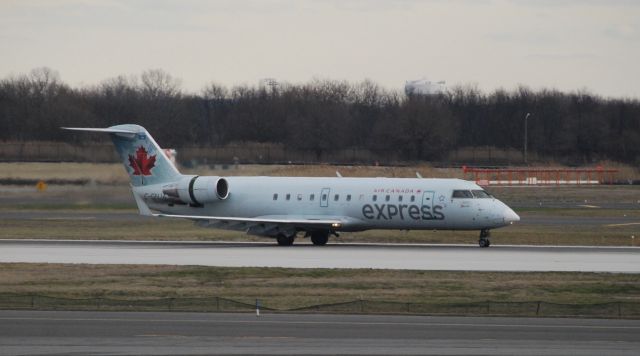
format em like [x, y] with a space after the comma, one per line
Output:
[563, 44]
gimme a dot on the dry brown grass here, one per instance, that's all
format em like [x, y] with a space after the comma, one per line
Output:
[101, 173]
[67, 197]
[115, 174]
[290, 288]
[568, 195]
[328, 171]
[119, 195]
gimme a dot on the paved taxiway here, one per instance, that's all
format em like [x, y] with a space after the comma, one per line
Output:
[268, 254]
[98, 333]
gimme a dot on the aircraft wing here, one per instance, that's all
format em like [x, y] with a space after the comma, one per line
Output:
[326, 222]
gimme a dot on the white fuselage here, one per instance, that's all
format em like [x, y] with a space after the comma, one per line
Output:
[360, 203]
[281, 207]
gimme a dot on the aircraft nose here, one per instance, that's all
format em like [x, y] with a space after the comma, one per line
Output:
[510, 216]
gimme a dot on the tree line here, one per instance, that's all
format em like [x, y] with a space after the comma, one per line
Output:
[320, 115]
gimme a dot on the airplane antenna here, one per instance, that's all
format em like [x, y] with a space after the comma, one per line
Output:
[338, 174]
[418, 175]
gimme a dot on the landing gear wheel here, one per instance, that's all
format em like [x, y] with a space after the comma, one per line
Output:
[484, 238]
[319, 238]
[285, 240]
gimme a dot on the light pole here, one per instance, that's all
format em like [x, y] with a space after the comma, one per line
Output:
[526, 117]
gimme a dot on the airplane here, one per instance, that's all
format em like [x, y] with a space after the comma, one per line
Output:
[284, 207]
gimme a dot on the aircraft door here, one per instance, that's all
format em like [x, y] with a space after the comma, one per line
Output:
[324, 197]
[427, 198]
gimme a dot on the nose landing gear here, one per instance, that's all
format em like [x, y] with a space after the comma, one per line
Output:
[484, 238]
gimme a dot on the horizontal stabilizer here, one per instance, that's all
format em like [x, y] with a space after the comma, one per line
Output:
[106, 130]
[143, 159]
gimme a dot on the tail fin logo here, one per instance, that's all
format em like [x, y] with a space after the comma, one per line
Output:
[142, 163]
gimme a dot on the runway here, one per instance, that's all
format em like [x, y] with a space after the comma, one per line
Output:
[378, 256]
[118, 333]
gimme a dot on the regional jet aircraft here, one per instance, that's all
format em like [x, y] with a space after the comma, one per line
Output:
[285, 207]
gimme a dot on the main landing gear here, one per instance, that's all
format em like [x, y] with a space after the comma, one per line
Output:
[319, 238]
[285, 240]
[484, 238]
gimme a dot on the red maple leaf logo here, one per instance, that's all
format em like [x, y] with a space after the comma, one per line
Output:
[142, 162]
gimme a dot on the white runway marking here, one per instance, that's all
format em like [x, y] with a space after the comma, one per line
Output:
[625, 224]
[424, 257]
[589, 206]
[64, 218]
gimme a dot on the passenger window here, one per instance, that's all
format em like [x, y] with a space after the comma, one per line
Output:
[413, 198]
[275, 196]
[463, 194]
[400, 198]
[288, 196]
[312, 196]
[387, 198]
[348, 197]
[299, 196]
[375, 197]
[480, 194]
[324, 197]
[336, 197]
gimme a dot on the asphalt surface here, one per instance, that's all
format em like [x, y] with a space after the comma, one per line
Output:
[153, 333]
[342, 255]
[379, 256]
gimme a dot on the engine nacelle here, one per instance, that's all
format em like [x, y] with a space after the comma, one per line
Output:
[198, 190]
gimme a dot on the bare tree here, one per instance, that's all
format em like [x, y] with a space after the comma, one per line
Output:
[156, 83]
[44, 81]
[215, 91]
[326, 115]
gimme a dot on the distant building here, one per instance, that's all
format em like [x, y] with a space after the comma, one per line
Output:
[270, 83]
[171, 154]
[424, 87]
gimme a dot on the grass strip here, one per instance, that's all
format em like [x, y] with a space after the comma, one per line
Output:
[161, 287]
[137, 228]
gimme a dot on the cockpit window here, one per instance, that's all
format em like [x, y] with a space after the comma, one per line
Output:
[481, 194]
[465, 194]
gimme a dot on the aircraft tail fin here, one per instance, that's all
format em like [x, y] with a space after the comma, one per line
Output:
[143, 159]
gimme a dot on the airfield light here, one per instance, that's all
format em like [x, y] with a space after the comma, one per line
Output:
[526, 117]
